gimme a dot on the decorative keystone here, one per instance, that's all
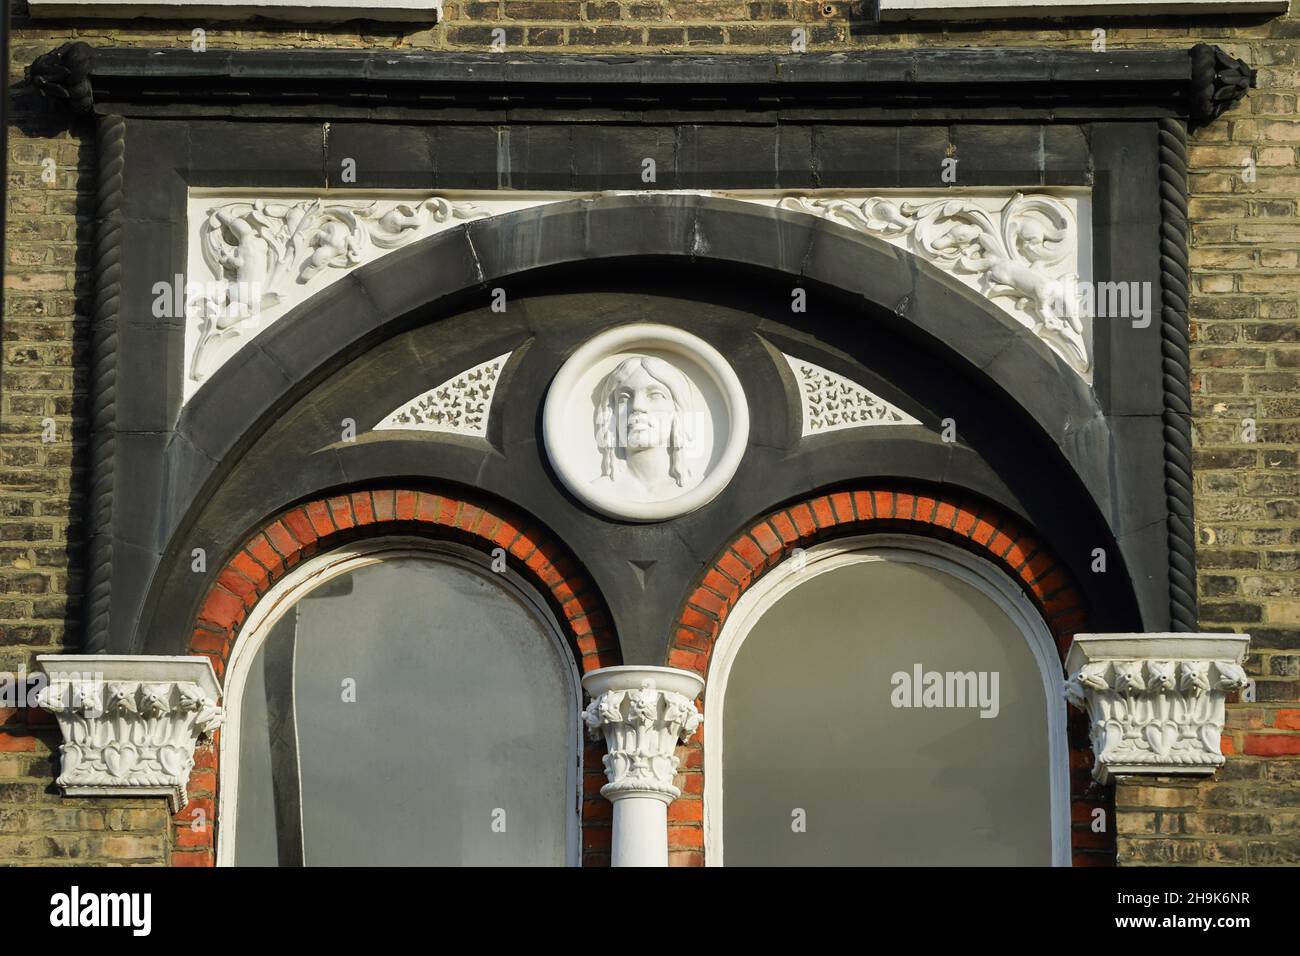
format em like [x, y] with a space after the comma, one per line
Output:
[129, 723]
[641, 713]
[1155, 702]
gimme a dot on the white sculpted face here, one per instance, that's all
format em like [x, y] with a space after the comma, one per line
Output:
[668, 416]
[642, 423]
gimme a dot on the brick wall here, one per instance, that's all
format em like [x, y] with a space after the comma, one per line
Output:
[1246, 362]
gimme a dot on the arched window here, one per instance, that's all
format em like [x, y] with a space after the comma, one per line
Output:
[400, 703]
[885, 700]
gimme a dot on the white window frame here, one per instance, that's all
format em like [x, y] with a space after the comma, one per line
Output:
[319, 570]
[927, 552]
[299, 11]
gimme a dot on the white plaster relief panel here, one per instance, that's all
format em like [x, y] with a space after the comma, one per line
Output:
[831, 402]
[459, 406]
[253, 258]
[1028, 254]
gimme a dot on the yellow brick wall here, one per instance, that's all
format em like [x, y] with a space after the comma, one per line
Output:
[1246, 364]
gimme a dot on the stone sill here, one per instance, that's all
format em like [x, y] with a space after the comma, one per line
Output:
[318, 11]
[1011, 9]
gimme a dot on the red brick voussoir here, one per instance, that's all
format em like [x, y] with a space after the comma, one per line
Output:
[977, 527]
[321, 525]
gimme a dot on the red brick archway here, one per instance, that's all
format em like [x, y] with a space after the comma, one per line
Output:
[322, 525]
[975, 526]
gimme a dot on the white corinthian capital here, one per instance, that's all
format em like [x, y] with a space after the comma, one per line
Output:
[1155, 702]
[129, 723]
[641, 728]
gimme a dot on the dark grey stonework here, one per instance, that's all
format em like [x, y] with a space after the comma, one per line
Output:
[1082, 465]
[1033, 439]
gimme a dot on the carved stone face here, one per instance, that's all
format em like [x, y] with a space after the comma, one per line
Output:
[645, 422]
[642, 423]
[644, 406]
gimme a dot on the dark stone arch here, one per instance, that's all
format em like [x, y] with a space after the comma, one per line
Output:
[459, 268]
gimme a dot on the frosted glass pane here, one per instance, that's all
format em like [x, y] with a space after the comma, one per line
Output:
[456, 749]
[809, 724]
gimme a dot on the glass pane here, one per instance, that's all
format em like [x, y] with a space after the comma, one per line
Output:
[430, 724]
[810, 724]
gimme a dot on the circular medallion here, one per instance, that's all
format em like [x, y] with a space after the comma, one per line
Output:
[646, 422]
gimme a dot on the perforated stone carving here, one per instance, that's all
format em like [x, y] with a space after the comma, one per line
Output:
[831, 402]
[459, 406]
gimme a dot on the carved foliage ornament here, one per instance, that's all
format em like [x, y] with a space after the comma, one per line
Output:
[129, 737]
[1154, 715]
[641, 729]
[256, 252]
[1014, 253]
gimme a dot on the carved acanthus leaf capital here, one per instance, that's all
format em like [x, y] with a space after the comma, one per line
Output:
[641, 728]
[130, 724]
[1155, 702]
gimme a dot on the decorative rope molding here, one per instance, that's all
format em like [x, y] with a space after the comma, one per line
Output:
[103, 376]
[1176, 373]
[1155, 702]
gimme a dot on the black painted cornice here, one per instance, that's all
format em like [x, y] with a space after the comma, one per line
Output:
[1197, 83]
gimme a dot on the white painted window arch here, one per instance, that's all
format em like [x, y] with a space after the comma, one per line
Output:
[978, 573]
[317, 572]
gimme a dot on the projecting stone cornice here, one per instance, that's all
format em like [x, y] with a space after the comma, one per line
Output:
[1197, 82]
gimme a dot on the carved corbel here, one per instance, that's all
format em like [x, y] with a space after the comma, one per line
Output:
[1155, 702]
[1218, 81]
[130, 724]
[62, 77]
